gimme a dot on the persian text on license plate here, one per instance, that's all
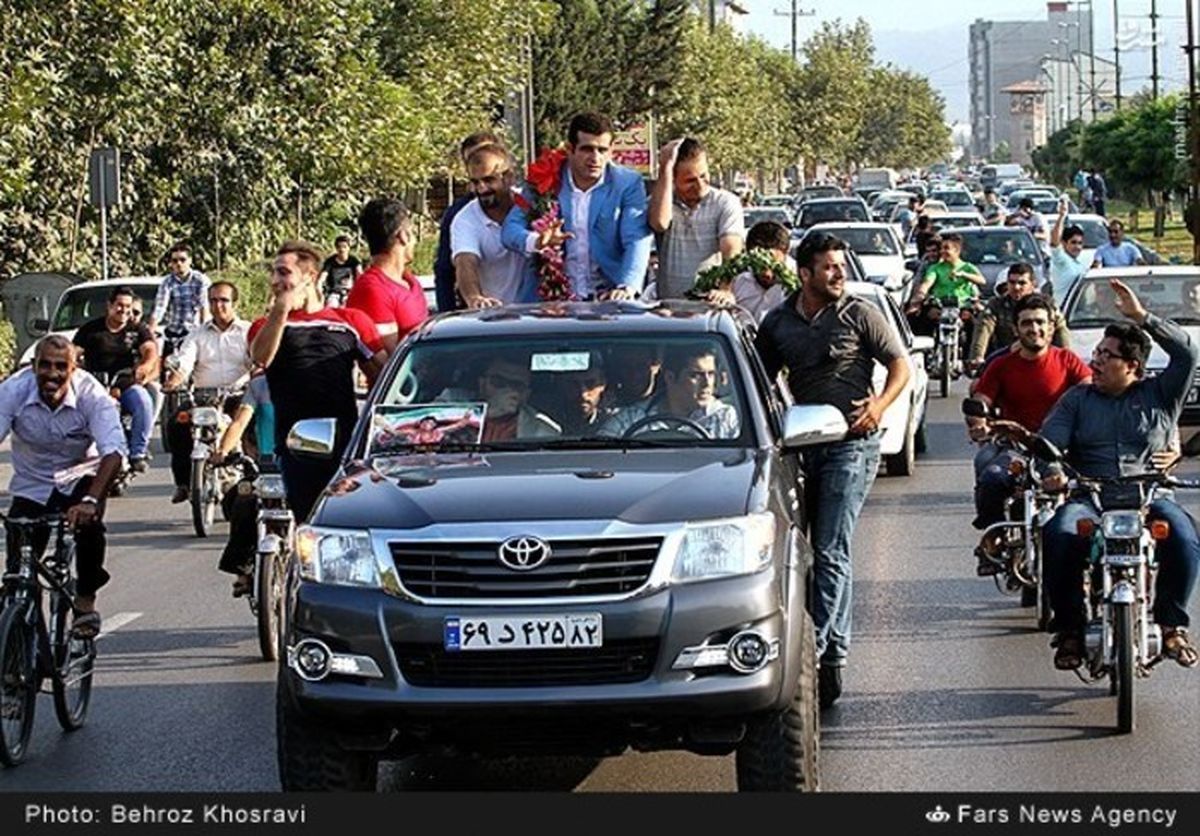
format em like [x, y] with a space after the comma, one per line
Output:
[523, 632]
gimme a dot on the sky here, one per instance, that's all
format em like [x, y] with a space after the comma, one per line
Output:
[930, 36]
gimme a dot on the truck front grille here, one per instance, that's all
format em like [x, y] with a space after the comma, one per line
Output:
[619, 661]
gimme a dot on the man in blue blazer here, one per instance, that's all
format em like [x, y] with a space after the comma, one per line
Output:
[606, 237]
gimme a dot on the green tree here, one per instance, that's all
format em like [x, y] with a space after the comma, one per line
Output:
[904, 121]
[831, 96]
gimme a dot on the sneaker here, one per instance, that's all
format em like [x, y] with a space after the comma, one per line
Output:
[1178, 646]
[181, 495]
[1069, 650]
[829, 684]
[139, 464]
[985, 565]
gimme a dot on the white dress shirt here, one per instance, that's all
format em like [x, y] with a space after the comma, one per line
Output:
[218, 358]
[579, 266]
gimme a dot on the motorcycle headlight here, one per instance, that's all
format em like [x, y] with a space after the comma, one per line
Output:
[738, 546]
[336, 556]
[205, 416]
[270, 486]
[1120, 525]
[949, 315]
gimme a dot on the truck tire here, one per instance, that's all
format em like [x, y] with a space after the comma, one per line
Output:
[309, 757]
[781, 751]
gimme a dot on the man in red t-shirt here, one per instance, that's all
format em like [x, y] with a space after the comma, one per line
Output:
[1024, 384]
[309, 352]
[387, 291]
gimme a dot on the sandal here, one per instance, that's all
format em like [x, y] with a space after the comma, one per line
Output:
[86, 625]
[1177, 646]
[243, 586]
[1069, 655]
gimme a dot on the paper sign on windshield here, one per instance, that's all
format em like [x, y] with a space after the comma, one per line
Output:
[399, 429]
[560, 361]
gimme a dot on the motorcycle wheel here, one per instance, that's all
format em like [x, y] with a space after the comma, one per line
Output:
[268, 603]
[203, 509]
[944, 377]
[1123, 672]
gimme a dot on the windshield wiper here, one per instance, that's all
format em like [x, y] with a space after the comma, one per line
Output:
[1089, 323]
[609, 443]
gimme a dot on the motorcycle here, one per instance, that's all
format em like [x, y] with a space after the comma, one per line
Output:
[339, 292]
[276, 526]
[1018, 538]
[1122, 642]
[201, 408]
[946, 360]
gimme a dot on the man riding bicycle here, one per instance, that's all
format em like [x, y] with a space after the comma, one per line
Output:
[179, 303]
[61, 417]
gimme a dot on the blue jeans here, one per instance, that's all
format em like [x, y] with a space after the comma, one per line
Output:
[837, 479]
[1066, 556]
[137, 402]
[993, 483]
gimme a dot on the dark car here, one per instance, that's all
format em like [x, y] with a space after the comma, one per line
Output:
[827, 209]
[993, 249]
[493, 572]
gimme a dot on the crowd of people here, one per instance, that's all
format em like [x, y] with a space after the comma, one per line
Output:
[332, 317]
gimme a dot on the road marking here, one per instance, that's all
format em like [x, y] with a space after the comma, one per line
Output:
[116, 622]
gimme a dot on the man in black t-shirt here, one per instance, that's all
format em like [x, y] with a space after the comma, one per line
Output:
[123, 354]
[339, 273]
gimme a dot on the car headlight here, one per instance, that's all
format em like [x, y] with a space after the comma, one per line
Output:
[738, 546]
[336, 556]
[1121, 525]
[204, 416]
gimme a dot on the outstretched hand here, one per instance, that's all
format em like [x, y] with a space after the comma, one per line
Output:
[1127, 302]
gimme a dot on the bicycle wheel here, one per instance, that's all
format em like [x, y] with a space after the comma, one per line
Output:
[74, 664]
[18, 685]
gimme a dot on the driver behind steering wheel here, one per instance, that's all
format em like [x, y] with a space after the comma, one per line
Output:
[689, 396]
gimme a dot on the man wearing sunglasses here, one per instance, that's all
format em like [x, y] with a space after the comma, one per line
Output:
[1112, 428]
[179, 304]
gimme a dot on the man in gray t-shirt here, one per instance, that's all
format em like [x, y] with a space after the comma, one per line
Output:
[828, 343]
[697, 226]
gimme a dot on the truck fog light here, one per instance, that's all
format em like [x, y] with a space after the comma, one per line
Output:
[749, 652]
[310, 659]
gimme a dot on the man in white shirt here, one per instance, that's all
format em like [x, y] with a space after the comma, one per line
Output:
[215, 356]
[487, 274]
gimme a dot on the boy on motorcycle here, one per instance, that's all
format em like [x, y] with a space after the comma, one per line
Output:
[950, 280]
[1110, 428]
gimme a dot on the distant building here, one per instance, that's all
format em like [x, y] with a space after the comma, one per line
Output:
[1027, 119]
[722, 11]
[1003, 53]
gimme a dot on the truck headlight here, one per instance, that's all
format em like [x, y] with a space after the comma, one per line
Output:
[739, 546]
[336, 556]
[1122, 525]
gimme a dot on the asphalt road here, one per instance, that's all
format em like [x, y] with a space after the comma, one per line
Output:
[949, 688]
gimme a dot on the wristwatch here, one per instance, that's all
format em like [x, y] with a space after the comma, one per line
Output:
[89, 500]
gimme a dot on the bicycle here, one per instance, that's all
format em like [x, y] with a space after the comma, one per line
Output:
[35, 647]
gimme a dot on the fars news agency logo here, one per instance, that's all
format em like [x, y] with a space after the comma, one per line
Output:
[937, 815]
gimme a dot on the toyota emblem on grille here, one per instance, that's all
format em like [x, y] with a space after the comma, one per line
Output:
[524, 553]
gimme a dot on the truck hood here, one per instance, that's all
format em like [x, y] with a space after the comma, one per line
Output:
[638, 487]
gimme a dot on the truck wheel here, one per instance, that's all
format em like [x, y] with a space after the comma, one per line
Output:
[308, 754]
[781, 751]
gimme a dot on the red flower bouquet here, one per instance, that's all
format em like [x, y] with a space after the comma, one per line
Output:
[544, 176]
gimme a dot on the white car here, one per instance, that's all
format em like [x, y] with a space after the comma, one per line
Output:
[1163, 288]
[903, 425]
[89, 300]
[878, 248]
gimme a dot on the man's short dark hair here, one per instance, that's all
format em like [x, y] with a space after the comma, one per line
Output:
[924, 239]
[1116, 224]
[989, 190]
[815, 244]
[1026, 203]
[768, 235]
[912, 201]
[1073, 231]
[1135, 344]
[677, 357]
[180, 247]
[689, 149]
[588, 123]
[379, 222]
[1021, 268]
[233, 291]
[303, 250]
[1033, 302]
[952, 238]
[122, 290]
[476, 139]
[342, 239]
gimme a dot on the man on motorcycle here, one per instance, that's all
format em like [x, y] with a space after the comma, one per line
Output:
[60, 418]
[996, 325]
[1024, 384]
[179, 303]
[339, 272]
[949, 280]
[1112, 428]
[123, 354]
[214, 356]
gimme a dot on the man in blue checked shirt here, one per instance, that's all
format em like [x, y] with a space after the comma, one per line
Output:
[181, 302]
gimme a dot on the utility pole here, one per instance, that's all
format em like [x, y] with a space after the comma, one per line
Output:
[1117, 51]
[1092, 55]
[795, 14]
[1153, 49]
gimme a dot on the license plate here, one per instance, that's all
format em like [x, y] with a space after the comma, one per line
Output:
[524, 632]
